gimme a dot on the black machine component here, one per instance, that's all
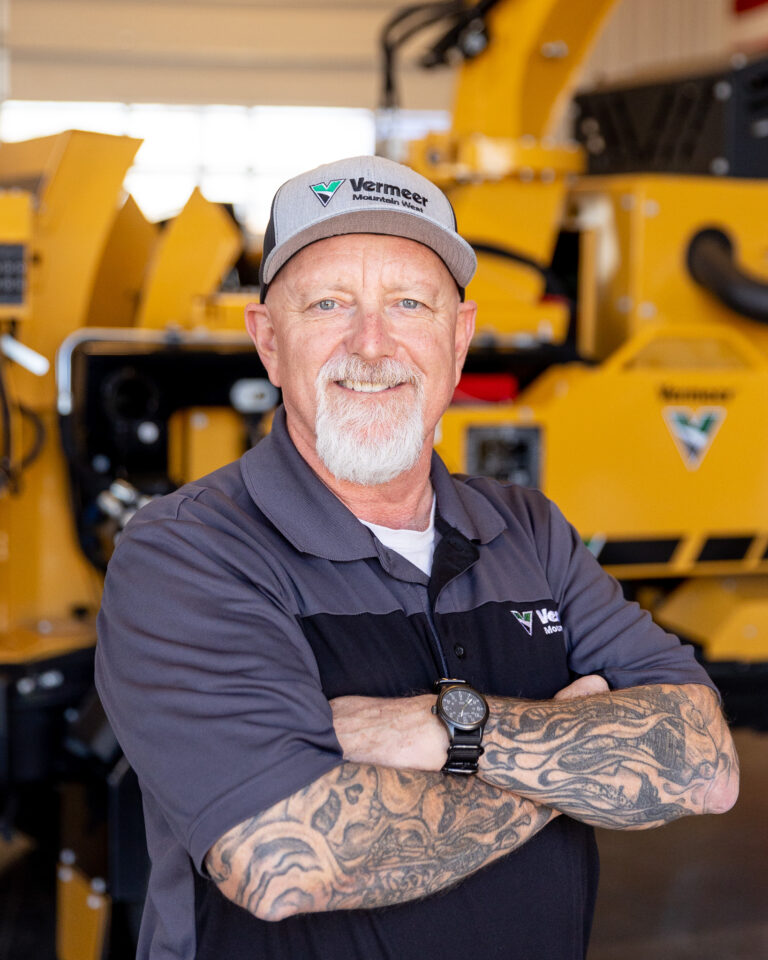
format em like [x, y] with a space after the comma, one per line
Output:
[507, 453]
[12, 273]
[617, 553]
[712, 264]
[715, 123]
[117, 398]
[466, 36]
[12, 467]
[34, 700]
[115, 793]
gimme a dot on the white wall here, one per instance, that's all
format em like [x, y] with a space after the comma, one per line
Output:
[313, 52]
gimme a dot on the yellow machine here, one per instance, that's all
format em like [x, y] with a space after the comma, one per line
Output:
[621, 365]
[642, 411]
[120, 377]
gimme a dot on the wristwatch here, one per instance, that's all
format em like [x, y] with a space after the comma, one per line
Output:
[464, 712]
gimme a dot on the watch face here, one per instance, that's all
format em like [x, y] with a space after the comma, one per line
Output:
[463, 707]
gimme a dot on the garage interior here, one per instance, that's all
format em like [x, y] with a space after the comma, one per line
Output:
[609, 164]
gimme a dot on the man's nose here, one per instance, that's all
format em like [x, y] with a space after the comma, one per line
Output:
[370, 336]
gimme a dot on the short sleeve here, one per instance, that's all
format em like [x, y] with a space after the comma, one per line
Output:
[206, 678]
[606, 633]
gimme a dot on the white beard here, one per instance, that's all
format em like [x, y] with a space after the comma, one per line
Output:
[362, 438]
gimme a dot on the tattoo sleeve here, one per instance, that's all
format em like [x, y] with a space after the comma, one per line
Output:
[369, 836]
[629, 759]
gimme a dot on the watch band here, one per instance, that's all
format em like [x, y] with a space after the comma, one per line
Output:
[464, 752]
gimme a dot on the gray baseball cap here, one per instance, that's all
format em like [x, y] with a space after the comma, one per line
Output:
[363, 195]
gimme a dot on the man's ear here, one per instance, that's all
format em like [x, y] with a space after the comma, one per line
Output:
[261, 330]
[465, 330]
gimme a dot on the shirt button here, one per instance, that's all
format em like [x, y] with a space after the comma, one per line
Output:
[459, 651]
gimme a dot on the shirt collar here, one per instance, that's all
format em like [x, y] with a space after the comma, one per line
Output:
[463, 507]
[293, 498]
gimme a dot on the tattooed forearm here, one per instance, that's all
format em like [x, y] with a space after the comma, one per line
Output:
[630, 759]
[367, 836]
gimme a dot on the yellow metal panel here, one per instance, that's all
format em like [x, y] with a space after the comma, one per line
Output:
[523, 218]
[654, 220]
[518, 84]
[612, 463]
[448, 158]
[82, 916]
[192, 254]
[120, 275]
[226, 311]
[728, 616]
[587, 326]
[202, 439]
[610, 459]
[49, 638]
[43, 573]
[77, 177]
[25, 164]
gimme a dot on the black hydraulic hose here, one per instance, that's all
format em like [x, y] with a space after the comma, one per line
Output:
[36, 447]
[711, 262]
[405, 24]
[553, 283]
[410, 20]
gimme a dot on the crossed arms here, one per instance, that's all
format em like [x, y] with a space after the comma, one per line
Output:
[386, 826]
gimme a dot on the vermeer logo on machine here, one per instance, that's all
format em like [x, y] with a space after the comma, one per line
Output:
[693, 431]
[549, 619]
[325, 191]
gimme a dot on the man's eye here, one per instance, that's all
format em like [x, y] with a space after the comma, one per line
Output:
[325, 304]
[410, 304]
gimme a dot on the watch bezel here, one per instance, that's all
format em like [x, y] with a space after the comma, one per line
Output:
[478, 724]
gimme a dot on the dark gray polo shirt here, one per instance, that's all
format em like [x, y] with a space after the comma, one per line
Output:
[236, 607]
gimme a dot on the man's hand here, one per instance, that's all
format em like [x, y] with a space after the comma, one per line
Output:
[583, 687]
[401, 732]
[405, 733]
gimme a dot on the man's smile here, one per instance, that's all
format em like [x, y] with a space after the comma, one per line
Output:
[366, 386]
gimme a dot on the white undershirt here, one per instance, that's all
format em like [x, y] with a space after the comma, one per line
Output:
[415, 545]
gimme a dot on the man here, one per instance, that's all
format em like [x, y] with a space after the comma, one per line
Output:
[271, 637]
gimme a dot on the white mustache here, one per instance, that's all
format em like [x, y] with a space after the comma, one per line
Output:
[387, 372]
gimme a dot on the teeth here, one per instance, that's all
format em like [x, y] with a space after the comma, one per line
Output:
[364, 386]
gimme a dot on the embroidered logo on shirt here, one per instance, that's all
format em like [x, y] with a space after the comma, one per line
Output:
[525, 619]
[549, 619]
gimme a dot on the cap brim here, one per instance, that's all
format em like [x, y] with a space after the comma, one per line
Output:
[453, 250]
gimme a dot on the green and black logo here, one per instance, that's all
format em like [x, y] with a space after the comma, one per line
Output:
[325, 191]
[525, 619]
[693, 431]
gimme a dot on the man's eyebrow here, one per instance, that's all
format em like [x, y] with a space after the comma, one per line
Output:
[418, 291]
[317, 288]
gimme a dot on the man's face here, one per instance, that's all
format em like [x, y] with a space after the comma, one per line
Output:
[366, 336]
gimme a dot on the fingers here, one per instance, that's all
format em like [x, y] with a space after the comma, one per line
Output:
[583, 687]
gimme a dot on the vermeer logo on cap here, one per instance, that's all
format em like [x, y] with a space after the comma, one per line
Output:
[325, 191]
